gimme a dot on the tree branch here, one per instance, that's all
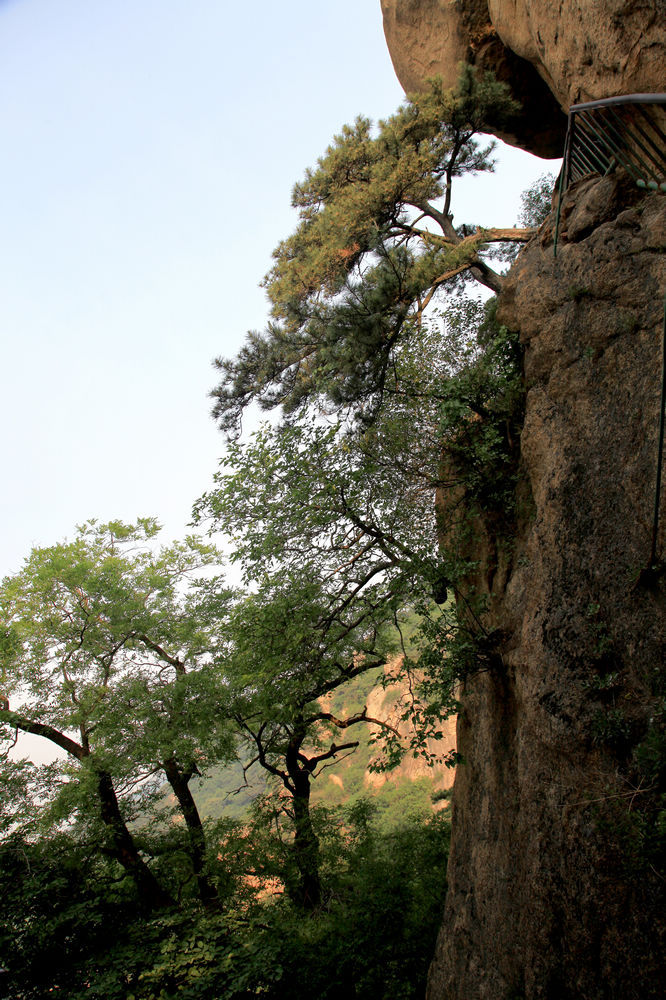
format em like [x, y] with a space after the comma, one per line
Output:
[18, 721]
[351, 721]
[261, 755]
[174, 661]
[312, 762]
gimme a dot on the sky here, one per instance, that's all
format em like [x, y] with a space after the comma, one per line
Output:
[149, 148]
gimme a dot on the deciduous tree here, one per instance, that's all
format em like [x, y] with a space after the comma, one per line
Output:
[296, 641]
[106, 654]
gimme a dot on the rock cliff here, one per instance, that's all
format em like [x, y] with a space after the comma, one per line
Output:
[554, 892]
[556, 876]
[551, 54]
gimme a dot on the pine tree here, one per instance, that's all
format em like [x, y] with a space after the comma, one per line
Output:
[375, 246]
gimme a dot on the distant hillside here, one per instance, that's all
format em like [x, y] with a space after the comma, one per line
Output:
[411, 787]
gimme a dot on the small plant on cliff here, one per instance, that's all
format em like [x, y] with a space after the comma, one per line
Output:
[537, 201]
[480, 413]
[536, 206]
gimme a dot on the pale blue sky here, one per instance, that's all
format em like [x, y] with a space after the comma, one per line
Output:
[148, 153]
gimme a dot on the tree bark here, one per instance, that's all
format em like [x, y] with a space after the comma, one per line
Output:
[306, 843]
[151, 895]
[180, 784]
[306, 849]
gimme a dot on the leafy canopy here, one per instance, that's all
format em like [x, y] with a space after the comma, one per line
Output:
[105, 652]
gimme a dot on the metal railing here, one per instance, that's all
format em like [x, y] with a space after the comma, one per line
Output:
[627, 131]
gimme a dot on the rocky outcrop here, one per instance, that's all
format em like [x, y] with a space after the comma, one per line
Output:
[554, 887]
[389, 700]
[551, 55]
[556, 875]
[390, 704]
[585, 50]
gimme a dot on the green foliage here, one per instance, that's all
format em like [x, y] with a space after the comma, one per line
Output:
[60, 906]
[312, 495]
[481, 416]
[452, 647]
[602, 640]
[107, 657]
[296, 640]
[371, 249]
[145, 668]
[92, 622]
[576, 293]
[611, 727]
[307, 498]
[224, 792]
[537, 201]
[67, 930]
[651, 751]
[441, 795]
[437, 395]
[649, 816]
[536, 206]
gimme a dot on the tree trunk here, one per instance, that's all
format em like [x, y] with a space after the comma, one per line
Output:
[151, 894]
[306, 843]
[181, 789]
[306, 850]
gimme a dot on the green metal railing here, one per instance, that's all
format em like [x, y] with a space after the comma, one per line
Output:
[627, 131]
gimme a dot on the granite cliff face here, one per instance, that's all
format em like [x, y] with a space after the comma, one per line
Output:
[556, 879]
[553, 893]
[551, 54]
[585, 50]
